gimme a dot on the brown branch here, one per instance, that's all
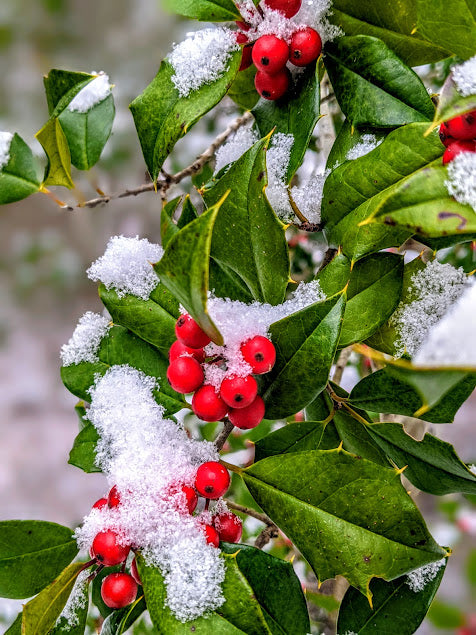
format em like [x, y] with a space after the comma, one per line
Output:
[328, 257]
[224, 434]
[250, 512]
[341, 364]
[266, 535]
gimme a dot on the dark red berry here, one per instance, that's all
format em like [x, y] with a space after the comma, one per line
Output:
[249, 417]
[244, 26]
[241, 38]
[272, 87]
[185, 374]
[211, 535]
[178, 349]
[270, 54]
[135, 572]
[239, 392]
[189, 333]
[462, 127]
[107, 549]
[113, 498]
[118, 590]
[306, 46]
[191, 498]
[208, 405]
[99, 504]
[287, 7]
[457, 147]
[260, 354]
[246, 57]
[445, 137]
[229, 527]
[212, 480]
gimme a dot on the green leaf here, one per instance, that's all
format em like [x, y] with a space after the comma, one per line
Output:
[247, 237]
[189, 213]
[397, 609]
[15, 628]
[444, 615]
[305, 343]
[373, 294]
[392, 23]
[32, 554]
[61, 86]
[184, 267]
[449, 23]
[348, 137]
[365, 527]
[168, 227]
[205, 10]
[451, 104]
[119, 621]
[432, 465]
[356, 438]
[298, 115]
[19, 177]
[373, 86]
[64, 625]
[41, 613]
[53, 140]
[83, 452]
[162, 117]
[243, 91]
[297, 437]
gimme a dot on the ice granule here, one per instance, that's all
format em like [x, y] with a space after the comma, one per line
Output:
[5, 143]
[126, 266]
[366, 144]
[314, 13]
[92, 94]
[235, 147]
[77, 600]
[308, 196]
[436, 288]
[452, 341]
[277, 162]
[418, 579]
[464, 76]
[461, 183]
[84, 343]
[202, 58]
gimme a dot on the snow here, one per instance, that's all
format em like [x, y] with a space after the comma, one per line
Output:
[86, 339]
[366, 144]
[92, 94]
[277, 162]
[126, 266]
[461, 183]
[77, 600]
[418, 579]
[5, 143]
[472, 469]
[202, 58]
[464, 77]
[235, 147]
[315, 13]
[308, 196]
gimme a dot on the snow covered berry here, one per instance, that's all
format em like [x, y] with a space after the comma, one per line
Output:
[238, 392]
[212, 480]
[107, 549]
[135, 572]
[113, 498]
[211, 535]
[462, 127]
[208, 405]
[457, 147]
[189, 333]
[249, 417]
[185, 374]
[229, 527]
[100, 503]
[178, 349]
[118, 590]
[260, 354]
[272, 87]
[191, 498]
[270, 54]
[287, 7]
[306, 46]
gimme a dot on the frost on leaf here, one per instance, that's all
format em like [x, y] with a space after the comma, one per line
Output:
[92, 94]
[277, 162]
[308, 196]
[366, 144]
[5, 142]
[235, 147]
[84, 343]
[418, 579]
[77, 600]
[461, 183]
[464, 76]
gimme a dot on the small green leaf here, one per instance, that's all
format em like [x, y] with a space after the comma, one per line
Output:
[451, 104]
[168, 227]
[61, 86]
[15, 628]
[356, 438]
[297, 437]
[53, 140]
[119, 621]
[32, 554]
[243, 91]
[19, 177]
[449, 23]
[205, 10]
[83, 452]
[189, 213]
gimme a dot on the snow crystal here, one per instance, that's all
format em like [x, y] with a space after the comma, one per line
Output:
[464, 77]
[418, 579]
[149, 458]
[274, 23]
[77, 600]
[452, 341]
[235, 147]
[314, 13]
[366, 144]
[84, 343]
[202, 58]
[277, 162]
[5, 142]
[462, 179]
[435, 288]
[126, 266]
[472, 469]
[92, 94]
[308, 196]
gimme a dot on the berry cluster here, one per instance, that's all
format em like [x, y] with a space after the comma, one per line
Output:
[270, 53]
[237, 396]
[458, 135]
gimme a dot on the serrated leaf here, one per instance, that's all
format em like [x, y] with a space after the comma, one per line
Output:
[206, 10]
[83, 452]
[32, 554]
[162, 117]
[450, 24]
[19, 177]
[247, 237]
[53, 140]
[61, 86]
[168, 227]
[356, 438]
[243, 91]
[451, 104]
[366, 527]
[373, 86]
[297, 437]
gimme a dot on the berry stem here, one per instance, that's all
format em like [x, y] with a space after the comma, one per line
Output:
[250, 512]
[95, 572]
[296, 209]
[231, 467]
[224, 434]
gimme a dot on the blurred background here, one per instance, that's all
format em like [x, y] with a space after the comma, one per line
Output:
[45, 250]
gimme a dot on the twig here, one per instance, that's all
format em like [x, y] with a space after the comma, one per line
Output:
[266, 535]
[341, 364]
[328, 256]
[224, 434]
[250, 512]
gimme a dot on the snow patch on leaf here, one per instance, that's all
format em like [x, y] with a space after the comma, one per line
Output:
[418, 579]
[308, 196]
[464, 77]
[77, 600]
[235, 147]
[92, 94]
[366, 144]
[461, 183]
[5, 143]
[277, 163]
[86, 339]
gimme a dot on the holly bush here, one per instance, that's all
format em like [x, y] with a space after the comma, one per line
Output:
[327, 480]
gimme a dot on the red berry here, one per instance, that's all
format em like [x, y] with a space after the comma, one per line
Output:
[306, 46]
[270, 54]
[463, 127]
[445, 137]
[185, 374]
[457, 147]
[260, 354]
[241, 38]
[118, 590]
[189, 333]
[212, 480]
[239, 392]
[229, 527]
[135, 572]
[211, 535]
[191, 498]
[272, 87]
[208, 405]
[178, 349]
[107, 549]
[288, 7]
[99, 504]
[243, 25]
[113, 498]
[246, 57]
[249, 417]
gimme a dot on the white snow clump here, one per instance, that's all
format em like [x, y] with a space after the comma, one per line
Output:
[84, 343]
[92, 94]
[461, 183]
[235, 147]
[5, 143]
[464, 77]
[418, 579]
[366, 144]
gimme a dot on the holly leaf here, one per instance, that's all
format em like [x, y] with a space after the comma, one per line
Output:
[168, 227]
[205, 10]
[189, 213]
[83, 452]
[356, 438]
[119, 621]
[53, 140]
[449, 24]
[366, 527]
[297, 437]
[19, 176]
[32, 554]
[348, 137]
[373, 86]
[243, 91]
[451, 104]
[75, 623]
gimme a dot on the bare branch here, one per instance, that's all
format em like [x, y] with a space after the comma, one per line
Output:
[250, 512]
[266, 535]
[224, 434]
[341, 364]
